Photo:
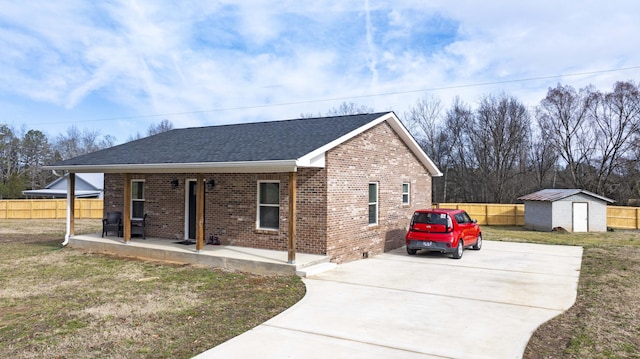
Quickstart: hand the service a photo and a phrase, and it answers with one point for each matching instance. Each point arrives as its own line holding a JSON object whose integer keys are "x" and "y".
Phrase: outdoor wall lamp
{"x": 175, "y": 183}
{"x": 211, "y": 183}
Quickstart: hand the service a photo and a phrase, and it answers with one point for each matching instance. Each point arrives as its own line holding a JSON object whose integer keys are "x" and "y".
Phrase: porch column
{"x": 291, "y": 245}
{"x": 126, "y": 210}
{"x": 71, "y": 216}
{"x": 199, "y": 212}
{"x": 71, "y": 203}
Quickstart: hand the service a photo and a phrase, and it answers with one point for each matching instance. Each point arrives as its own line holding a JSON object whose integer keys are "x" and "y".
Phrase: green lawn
{"x": 66, "y": 303}
{"x": 605, "y": 320}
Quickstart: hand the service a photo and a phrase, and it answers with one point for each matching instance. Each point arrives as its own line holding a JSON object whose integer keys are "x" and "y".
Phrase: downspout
{"x": 68, "y": 223}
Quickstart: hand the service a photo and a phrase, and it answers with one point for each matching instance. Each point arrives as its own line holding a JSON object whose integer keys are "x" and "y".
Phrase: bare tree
{"x": 11, "y": 180}
{"x": 74, "y": 142}
{"x": 425, "y": 122}
{"x": 349, "y": 108}
{"x": 563, "y": 119}
{"x": 543, "y": 159}
{"x": 457, "y": 164}
{"x": 499, "y": 136}
{"x": 615, "y": 116}
{"x": 9, "y": 152}
{"x": 163, "y": 126}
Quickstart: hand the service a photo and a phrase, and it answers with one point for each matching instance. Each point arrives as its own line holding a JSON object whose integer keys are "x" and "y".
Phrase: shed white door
{"x": 580, "y": 217}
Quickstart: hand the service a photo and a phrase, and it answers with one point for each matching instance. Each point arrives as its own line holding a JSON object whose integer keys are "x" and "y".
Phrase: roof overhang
{"x": 202, "y": 167}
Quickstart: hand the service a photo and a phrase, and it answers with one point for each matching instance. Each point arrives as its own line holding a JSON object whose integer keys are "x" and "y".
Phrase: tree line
{"x": 501, "y": 149}
{"x": 24, "y": 152}
{"x": 493, "y": 152}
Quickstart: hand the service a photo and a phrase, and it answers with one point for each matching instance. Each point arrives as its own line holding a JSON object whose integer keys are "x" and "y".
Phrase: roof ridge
{"x": 377, "y": 114}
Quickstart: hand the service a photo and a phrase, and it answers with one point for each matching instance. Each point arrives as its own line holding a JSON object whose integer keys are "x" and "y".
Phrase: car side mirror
{"x": 474, "y": 221}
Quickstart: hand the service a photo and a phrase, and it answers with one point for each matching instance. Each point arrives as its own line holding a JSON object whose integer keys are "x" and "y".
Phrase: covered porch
{"x": 244, "y": 259}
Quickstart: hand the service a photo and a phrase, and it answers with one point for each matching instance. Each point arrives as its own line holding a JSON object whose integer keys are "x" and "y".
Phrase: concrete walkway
{"x": 485, "y": 305}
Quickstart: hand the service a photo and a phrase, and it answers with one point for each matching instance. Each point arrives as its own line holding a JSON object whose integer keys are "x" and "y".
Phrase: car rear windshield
{"x": 431, "y": 222}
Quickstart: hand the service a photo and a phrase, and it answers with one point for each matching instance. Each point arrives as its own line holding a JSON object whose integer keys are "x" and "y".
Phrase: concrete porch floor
{"x": 252, "y": 260}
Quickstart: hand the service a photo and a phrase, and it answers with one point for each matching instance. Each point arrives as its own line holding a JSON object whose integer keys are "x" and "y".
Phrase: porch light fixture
{"x": 211, "y": 183}
{"x": 175, "y": 183}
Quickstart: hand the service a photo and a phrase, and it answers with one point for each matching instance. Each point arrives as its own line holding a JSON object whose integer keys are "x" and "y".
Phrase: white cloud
{"x": 164, "y": 58}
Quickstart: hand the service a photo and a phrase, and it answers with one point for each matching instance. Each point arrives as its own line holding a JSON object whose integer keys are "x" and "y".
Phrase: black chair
{"x": 138, "y": 226}
{"x": 113, "y": 223}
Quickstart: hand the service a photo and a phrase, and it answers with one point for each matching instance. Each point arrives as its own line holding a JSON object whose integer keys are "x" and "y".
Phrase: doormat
{"x": 185, "y": 242}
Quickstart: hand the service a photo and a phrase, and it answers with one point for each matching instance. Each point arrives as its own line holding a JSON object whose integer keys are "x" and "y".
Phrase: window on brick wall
{"x": 137, "y": 199}
{"x": 268, "y": 205}
{"x": 373, "y": 203}
{"x": 406, "y": 199}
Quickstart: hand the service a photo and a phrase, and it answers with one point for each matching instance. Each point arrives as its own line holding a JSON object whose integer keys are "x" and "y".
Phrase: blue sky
{"x": 120, "y": 66}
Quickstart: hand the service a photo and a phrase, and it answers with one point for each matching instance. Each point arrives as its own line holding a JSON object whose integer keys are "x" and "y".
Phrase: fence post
{"x": 486, "y": 213}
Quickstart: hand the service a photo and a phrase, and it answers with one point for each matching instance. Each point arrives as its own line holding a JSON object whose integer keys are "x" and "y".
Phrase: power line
{"x": 432, "y": 89}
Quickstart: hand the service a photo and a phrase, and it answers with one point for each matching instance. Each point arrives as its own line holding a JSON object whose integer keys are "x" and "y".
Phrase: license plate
{"x": 426, "y": 244}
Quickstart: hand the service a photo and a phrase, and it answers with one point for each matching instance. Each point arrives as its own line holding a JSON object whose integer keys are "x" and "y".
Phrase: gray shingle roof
{"x": 263, "y": 141}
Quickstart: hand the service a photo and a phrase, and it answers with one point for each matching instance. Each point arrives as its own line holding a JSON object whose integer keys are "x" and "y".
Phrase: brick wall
{"x": 230, "y": 207}
{"x": 332, "y": 202}
{"x": 377, "y": 155}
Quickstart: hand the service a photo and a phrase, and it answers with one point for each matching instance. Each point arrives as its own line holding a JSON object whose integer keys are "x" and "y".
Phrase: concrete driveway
{"x": 485, "y": 305}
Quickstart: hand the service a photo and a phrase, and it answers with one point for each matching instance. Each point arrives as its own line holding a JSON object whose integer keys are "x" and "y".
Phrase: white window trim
{"x": 258, "y": 204}
{"x": 377, "y": 203}
{"x": 408, "y": 193}
{"x": 131, "y": 200}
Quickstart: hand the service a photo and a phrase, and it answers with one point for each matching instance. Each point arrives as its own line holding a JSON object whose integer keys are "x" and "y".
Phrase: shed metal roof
{"x": 552, "y": 195}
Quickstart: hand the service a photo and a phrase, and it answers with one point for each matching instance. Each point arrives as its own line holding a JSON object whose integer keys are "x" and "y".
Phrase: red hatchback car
{"x": 443, "y": 230}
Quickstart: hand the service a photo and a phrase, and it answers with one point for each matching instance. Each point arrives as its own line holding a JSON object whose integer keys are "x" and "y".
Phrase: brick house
{"x": 341, "y": 186}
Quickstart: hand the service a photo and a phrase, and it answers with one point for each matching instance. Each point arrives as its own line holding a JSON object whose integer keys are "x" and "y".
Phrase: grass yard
{"x": 605, "y": 320}
{"x": 66, "y": 303}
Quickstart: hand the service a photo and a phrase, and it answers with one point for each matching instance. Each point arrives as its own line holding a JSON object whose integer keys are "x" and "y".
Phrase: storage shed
{"x": 575, "y": 210}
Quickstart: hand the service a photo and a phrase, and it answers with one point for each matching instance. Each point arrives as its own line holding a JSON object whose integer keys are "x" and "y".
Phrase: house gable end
{"x": 400, "y": 131}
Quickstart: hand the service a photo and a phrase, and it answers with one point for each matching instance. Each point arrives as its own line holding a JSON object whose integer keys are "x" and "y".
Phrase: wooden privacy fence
{"x": 623, "y": 217}
{"x": 490, "y": 214}
{"x": 487, "y": 214}
{"x": 49, "y": 208}
{"x": 513, "y": 214}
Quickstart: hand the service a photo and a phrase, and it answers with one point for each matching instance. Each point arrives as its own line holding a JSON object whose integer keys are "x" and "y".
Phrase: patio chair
{"x": 113, "y": 223}
{"x": 138, "y": 226}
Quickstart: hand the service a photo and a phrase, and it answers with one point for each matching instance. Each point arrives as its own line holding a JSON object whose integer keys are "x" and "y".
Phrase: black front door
{"x": 191, "y": 198}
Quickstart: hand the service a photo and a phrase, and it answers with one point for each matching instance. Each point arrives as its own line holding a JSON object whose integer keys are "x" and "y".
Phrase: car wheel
{"x": 411, "y": 251}
{"x": 457, "y": 254}
{"x": 478, "y": 244}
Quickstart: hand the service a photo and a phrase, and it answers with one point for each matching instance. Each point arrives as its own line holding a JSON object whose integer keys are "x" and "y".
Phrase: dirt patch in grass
{"x": 604, "y": 322}
{"x": 63, "y": 303}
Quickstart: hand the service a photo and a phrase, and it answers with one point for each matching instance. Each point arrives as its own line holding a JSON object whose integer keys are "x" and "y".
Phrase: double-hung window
{"x": 137, "y": 199}
{"x": 373, "y": 203}
{"x": 268, "y": 205}
{"x": 406, "y": 199}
